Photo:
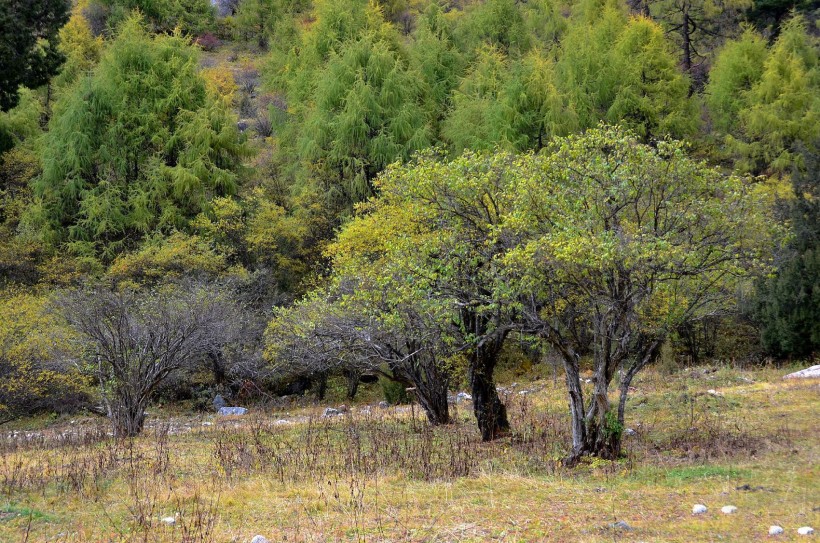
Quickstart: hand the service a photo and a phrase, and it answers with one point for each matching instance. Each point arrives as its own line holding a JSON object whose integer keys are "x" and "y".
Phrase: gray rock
{"x": 621, "y": 525}
{"x": 699, "y": 509}
{"x": 259, "y": 539}
{"x": 219, "y": 402}
{"x": 383, "y": 405}
{"x": 629, "y": 432}
{"x": 463, "y": 396}
{"x": 808, "y": 373}
{"x": 330, "y": 412}
{"x": 226, "y": 411}
{"x": 775, "y": 530}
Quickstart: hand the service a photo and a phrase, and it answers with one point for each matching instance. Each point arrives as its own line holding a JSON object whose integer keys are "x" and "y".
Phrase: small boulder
{"x": 808, "y": 373}
{"x": 463, "y": 396}
{"x": 170, "y": 521}
{"x": 259, "y": 539}
{"x": 207, "y": 423}
{"x": 621, "y": 525}
{"x": 629, "y": 432}
{"x": 728, "y": 509}
{"x": 331, "y": 412}
{"x": 775, "y": 530}
{"x": 805, "y": 530}
{"x": 383, "y": 405}
{"x": 699, "y": 509}
{"x": 219, "y": 402}
{"x": 228, "y": 411}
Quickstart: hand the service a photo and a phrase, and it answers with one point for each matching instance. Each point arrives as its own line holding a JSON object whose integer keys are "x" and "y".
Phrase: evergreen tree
{"x": 788, "y": 304}
{"x": 138, "y": 145}
{"x": 28, "y": 45}
{"x": 767, "y": 104}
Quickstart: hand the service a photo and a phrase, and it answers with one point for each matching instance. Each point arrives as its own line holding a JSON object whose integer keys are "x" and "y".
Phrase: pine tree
{"x": 138, "y": 145}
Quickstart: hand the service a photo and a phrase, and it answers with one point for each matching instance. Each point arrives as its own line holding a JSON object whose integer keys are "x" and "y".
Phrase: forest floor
{"x": 717, "y": 436}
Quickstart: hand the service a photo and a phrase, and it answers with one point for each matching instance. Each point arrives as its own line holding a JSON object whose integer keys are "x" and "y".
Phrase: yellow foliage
{"x": 168, "y": 258}
{"x": 221, "y": 83}
{"x": 81, "y": 48}
{"x": 37, "y": 353}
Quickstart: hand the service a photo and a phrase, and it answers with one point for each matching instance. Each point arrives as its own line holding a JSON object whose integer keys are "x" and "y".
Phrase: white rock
{"x": 808, "y": 373}
{"x": 282, "y": 422}
{"x": 207, "y": 423}
{"x": 805, "y": 530}
{"x": 699, "y": 509}
{"x": 462, "y": 396}
{"x": 169, "y": 520}
{"x": 713, "y": 392}
{"x": 775, "y": 530}
{"x": 259, "y": 539}
{"x": 728, "y": 509}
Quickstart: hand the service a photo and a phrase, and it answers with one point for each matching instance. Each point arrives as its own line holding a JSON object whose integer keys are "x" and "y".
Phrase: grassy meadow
{"x": 715, "y": 436}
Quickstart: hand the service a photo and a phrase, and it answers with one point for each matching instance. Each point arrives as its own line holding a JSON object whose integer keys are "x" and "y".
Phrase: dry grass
{"x": 387, "y": 476}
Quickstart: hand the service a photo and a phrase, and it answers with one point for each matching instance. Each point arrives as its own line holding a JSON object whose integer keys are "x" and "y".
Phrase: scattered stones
{"x": 808, "y": 373}
{"x": 219, "y": 402}
{"x": 259, "y": 539}
{"x": 331, "y": 412}
{"x": 728, "y": 509}
{"x": 228, "y": 411}
{"x": 805, "y": 530}
{"x": 383, "y": 405}
{"x": 621, "y": 525}
{"x": 462, "y": 396}
{"x": 699, "y": 509}
{"x": 775, "y": 530}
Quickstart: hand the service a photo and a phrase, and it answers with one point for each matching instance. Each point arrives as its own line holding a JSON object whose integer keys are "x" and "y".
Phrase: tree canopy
{"x": 137, "y": 146}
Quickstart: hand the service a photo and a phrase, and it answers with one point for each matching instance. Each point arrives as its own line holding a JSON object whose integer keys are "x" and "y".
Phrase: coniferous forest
{"x": 290, "y": 204}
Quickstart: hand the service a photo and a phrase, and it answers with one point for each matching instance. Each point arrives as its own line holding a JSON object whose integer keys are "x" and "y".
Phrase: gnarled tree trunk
{"x": 487, "y": 406}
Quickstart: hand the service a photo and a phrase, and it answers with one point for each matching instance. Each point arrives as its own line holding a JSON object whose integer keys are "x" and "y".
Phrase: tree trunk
{"x": 686, "y": 36}
{"x": 352, "y": 383}
{"x": 576, "y": 404}
{"x": 435, "y": 406}
{"x": 489, "y": 411}
{"x": 321, "y": 388}
{"x": 218, "y": 366}
{"x": 127, "y": 417}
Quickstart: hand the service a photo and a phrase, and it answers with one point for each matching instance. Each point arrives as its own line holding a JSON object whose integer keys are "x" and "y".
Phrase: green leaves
{"x": 136, "y": 146}
{"x": 768, "y": 102}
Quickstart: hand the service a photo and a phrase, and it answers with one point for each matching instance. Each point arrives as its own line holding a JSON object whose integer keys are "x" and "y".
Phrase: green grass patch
{"x": 12, "y": 511}
{"x": 687, "y": 474}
